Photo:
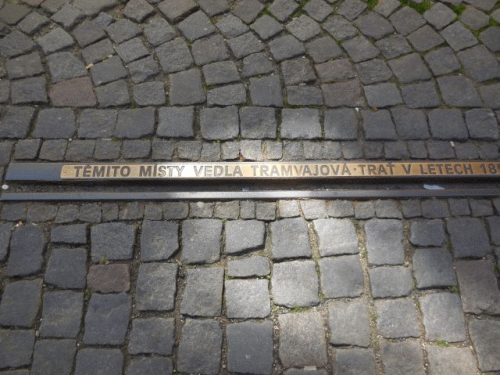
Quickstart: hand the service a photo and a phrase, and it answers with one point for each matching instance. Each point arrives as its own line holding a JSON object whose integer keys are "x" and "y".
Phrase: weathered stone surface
{"x": 302, "y": 340}
{"x": 468, "y": 237}
{"x": 247, "y": 299}
{"x": 26, "y": 249}
{"x": 159, "y": 240}
{"x": 54, "y": 357}
{"x": 92, "y": 361}
{"x": 349, "y": 323}
{"x": 341, "y": 276}
{"x": 156, "y": 286}
{"x": 114, "y": 241}
{"x": 451, "y": 360}
{"x": 254, "y": 266}
{"x": 20, "y": 303}
{"x": 201, "y": 242}
{"x": 67, "y": 268}
{"x": 289, "y": 239}
{"x": 149, "y": 366}
{"x": 62, "y": 314}
{"x": 403, "y": 358}
{"x": 244, "y": 235}
{"x": 433, "y": 268}
{"x": 443, "y": 317}
{"x": 152, "y": 336}
{"x": 295, "y": 284}
{"x": 390, "y": 282}
{"x": 485, "y": 335}
{"x": 397, "y": 318}
{"x": 355, "y": 361}
{"x": 478, "y": 289}
{"x": 186, "y": 88}
{"x": 16, "y": 348}
{"x": 200, "y": 347}
{"x": 384, "y": 242}
{"x": 203, "y": 292}
{"x": 250, "y": 347}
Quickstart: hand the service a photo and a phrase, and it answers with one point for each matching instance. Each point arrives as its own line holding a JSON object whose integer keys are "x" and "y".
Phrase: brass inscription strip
{"x": 277, "y": 170}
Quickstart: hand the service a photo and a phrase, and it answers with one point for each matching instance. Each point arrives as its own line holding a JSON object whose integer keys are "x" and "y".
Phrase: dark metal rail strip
{"x": 267, "y": 194}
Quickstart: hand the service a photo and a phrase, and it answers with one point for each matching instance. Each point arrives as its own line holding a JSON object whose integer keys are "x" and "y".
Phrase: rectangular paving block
{"x": 202, "y": 295}
{"x": 156, "y": 286}
{"x": 349, "y": 323}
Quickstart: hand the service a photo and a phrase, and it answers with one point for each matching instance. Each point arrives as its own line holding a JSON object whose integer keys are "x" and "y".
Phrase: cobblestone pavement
{"x": 263, "y": 287}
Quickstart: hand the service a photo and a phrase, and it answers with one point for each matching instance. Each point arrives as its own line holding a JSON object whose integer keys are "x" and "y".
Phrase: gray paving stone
{"x": 149, "y": 93}
{"x": 97, "y": 52}
{"x": 107, "y": 318}
{"x": 24, "y": 66}
{"x": 479, "y": 63}
{"x": 479, "y": 292}
{"x": 402, "y": 358}
{"x": 289, "y": 239}
{"x": 16, "y": 348}
{"x": 88, "y": 33}
{"x": 303, "y": 28}
{"x": 305, "y": 371}
{"x": 201, "y": 240}
{"x": 397, "y": 318}
{"x": 348, "y": 322}
{"x": 336, "y": 237}
{"x": 68, "y": 16}
{"x": 54, "y": 356}
{"x": 131, "y": 50}
{"x": 246, "y": 44}
{"x": 33, "y": 22}
{"x": 26, "y": 251}
{"x": 300, "y": 123}
{"x": 114, "y": 241}
{"x": 210, "y": 152}
{"x": 244, "y": 235}
{"x": 373, "y": 71}
{"x": 302, "y": 340}
{"x": 227, "y": 95}
{"x": 209, "y": 50}
{"x": 156, "y": 286}
{"x": 196, "y": 26}
{"x": 126, "y": 124}
{"x": 427, "y": 233}
{"x": 186, "y": 88}
{"x": 295, "y": 284}
{"x": 341, "y": 277}
{"x": 4, "y": 240}
{"x": 387, "y": 209}
{"x": 304, "y": 96}
{"x": 202, "y": 209}
{"x": 393, "y": 46}
{"x": 247, "y": 299}
{"x": 439, "y": 15}
{"x": 451, "y": 360}
{"x": 352, "y": 150}
{"x": 266, "y": 27}
{"x": 439, "y": 150}
{"x": 360, "y": 49}
{"x": 282, "y": 9}
{"x": 474, "y": 18}
{"x": 158, "y": 240}
{"x": 406, "y": 20}
{"x": 174, "y": 56}
{"x": 458, "y": 92}
{"x": 390, "y": 282}
{"x": 250, "y": 347}
{"x": 409, "y": 68}
{"x": 28, "y": 90}
{"x": 219, "y": 123}
{"x": 175, "y": 10}
{"x": 53, "y": 150}
{"x": 14, "y": 212}
{"x": 80, "y": 150}
{"x": 459, "y": 207}
{"x": 378, "y": 125}
{"x": 442, "y": 61}
{"x": 396, "y": 150}
{"x": 482, "y": 124}
{"x": 122, "y": 30}
{"x": 313, "y": 209}
{"x": 247, "y": 10}
{"x": 352, "y": 9}
{"x": 339, "y": 208}
{"x": 443, "y": 317}
{"x": 253, "y": 266}
{"x": 138, "y": 10}
{"x": 175, "y": 122}
{"x": 337, "y": 70}
{"x": 318, "y": 9}
{"x": 113, "y": 94}
{"x": 231, "y": 26}
{"x": 92, "y": 361}
{"x": 485, "y": 335}
{"x": 227, "y": 210}
{"x": 220, "y": 72}
{"x": 67, "y": 268}
{"x": 339, "y": 28}
{"x": 20, "y": 303}
{"x": 458, "y": 37}
{"x": 468, "y": 237}
{"x": 70, "y": 234}
{"x": 149, "y": 366}
{"x": 374, "y": 26}
{"x": 108, "y": 71}
{"x": 158, "y": 31}
{"x": 214, "y": 7}
{"x": 481, "y": 207}
{"x": 90, "y": 213}
{"x": 344, "y": 94}
{"x": 273, "y": 150}
{"x": 354, "y": 361}
{"x": 447, "y": 124}
{"x": 266, "y": 91}
{"x": 425, "y": 39}
{"x": 200, "y": 347}
{"x": 55, "y": 40}
{"x": 364, "y": 210}
{"x": 296, "y": 71}
{"x": 257, "y": 122}
{"x": 433, "y": 268}
{"x": 152, "y": 336}
{"x": 490, "y": 38}
{"x": 15, "y": 44}
{"x": 55, "y": 123}
{"x": 16, "y": 121}
{"x": 62, "y": 314}
{"x": 373, "y": 150}
{"x": 265, "y": 211}
{"x": 421, "y": 95}
{"x": 382, "y": 95}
